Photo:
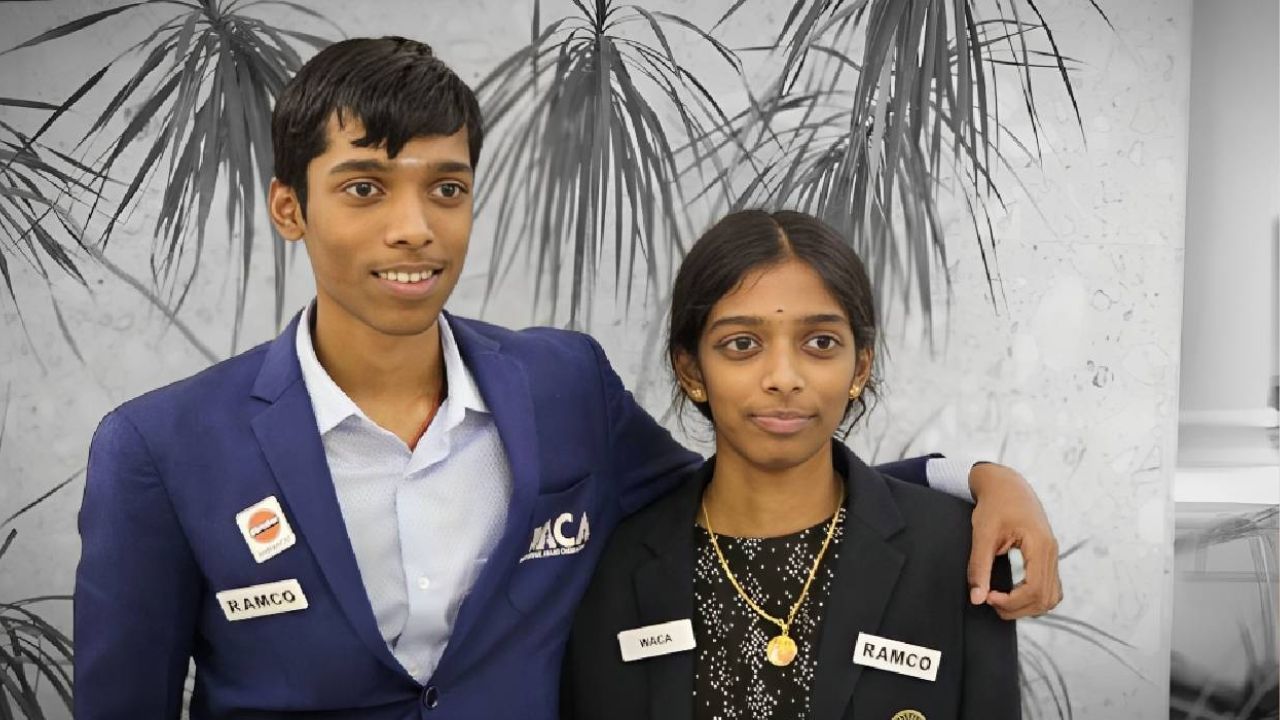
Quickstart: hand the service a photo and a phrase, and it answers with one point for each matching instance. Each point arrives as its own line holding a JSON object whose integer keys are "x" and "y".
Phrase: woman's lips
{"x": 782, "y": 423}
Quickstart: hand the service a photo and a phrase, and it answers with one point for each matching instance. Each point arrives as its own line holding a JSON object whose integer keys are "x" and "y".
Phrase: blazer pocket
{"x": 558, "y": 538}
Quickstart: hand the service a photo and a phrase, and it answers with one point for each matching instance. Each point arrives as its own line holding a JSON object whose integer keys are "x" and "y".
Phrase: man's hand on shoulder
{"x": 1008, "y": 515}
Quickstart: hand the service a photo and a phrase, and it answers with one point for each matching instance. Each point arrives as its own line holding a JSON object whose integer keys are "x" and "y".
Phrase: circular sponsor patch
{"x": 264, "y": 526}
{"x": 909, "y": 715}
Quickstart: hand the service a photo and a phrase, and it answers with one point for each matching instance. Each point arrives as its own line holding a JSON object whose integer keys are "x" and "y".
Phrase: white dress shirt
{"x": 421, "y": 522}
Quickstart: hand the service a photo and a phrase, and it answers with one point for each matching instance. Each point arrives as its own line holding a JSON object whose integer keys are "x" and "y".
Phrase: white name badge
{"x": 265, "y": 529}
{"x": 653, "y": 640}
{"x": 258, "y": 600}
{"x": 897, "y": 657}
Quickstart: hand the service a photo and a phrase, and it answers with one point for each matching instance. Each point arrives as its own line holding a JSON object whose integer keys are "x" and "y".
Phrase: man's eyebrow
{"x": 373, "y": 165}
{"x": 347, "y": 166}
{"x": 452, "y": 166}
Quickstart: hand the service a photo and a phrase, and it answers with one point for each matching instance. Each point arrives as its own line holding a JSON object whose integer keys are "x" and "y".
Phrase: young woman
{"x": 787, "y": 579}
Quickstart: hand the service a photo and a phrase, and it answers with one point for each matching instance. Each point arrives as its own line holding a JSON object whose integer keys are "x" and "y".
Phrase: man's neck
{"x": 744, "y": 500}
{"x": 397, "y": 381}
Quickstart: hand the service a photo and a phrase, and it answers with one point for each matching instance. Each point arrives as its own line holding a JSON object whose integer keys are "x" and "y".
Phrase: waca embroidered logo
{"x": 560, "y": 536}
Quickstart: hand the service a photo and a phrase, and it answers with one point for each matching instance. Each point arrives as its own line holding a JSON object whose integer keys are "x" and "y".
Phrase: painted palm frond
{"x": 896, "y": 108}
{"x": 34, "y": 654}
{"x": 197, "y": 107}
{"x": 587, "y": 170}
{"x": 37, "y": 185}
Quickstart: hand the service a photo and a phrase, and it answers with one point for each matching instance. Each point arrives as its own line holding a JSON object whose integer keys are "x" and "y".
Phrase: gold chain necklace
{"x": 781, "y": 650}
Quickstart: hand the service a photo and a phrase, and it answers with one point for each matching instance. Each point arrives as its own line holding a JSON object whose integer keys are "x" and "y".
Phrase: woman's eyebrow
{"x": 752, "y": 320}
{"x": 824, "y": 318}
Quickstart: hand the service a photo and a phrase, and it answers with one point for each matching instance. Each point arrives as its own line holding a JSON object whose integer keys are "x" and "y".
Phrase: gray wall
{"x": 1071, "y": 376}
{"x": 1233, "y": 206}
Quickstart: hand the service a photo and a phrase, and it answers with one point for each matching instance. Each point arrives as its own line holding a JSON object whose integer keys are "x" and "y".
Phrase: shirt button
{"x": 430, "y": 697}
{"x": 424, "y": 582}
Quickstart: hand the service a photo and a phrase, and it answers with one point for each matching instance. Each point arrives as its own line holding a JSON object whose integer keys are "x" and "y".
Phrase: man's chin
{"x": 407, "y": 324}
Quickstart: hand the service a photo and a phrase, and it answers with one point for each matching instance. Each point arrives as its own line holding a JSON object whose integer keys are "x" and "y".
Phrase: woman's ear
{"x": 862, "y": 372}
{"x": 286, "y": 211}
{"x": 689, "y": 376}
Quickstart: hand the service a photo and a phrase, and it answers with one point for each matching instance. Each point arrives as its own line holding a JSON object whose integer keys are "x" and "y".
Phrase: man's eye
{"x": 452, "y": 190}
{"x": 362, "y": 189}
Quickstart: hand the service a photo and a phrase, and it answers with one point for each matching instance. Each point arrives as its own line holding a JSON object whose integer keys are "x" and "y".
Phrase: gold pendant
{"x": 781, "y": 651}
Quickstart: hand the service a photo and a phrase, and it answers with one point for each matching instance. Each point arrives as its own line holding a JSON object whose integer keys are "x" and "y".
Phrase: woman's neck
{"x": 745, "y": 500}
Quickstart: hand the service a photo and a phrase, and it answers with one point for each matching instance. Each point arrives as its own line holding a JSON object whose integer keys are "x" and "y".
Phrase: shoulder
{"x": 934, "y": 523}
{"x": 665, "y": 511}
{"x": 530, "y": 342}
{"x": 556, "y": 360}
{"x": 202, "y": 393}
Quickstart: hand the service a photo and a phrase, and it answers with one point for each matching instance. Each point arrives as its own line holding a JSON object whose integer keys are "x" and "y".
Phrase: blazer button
{"x": 430, "y": 697}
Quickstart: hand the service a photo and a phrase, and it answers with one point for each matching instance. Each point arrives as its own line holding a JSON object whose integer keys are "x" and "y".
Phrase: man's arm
{"x": 647, "y": 461}
{"x": 914, "y": 470}
{"x": 137, "y": 586}
{"x": 1007, "y": 515}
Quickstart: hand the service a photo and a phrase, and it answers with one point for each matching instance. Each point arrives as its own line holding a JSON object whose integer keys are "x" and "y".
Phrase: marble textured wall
{"x": 1071, "y": 376}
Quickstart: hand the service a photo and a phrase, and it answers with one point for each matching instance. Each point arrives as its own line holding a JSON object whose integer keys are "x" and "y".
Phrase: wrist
{"x": 985, "y": 476}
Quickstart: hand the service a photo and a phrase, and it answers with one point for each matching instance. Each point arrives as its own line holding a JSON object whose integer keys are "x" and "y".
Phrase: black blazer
{"x": 901, "y": 575}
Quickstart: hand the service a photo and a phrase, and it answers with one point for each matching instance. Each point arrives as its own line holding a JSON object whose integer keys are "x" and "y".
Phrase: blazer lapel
{"x": 286, "y": 431}
{"x": 664, "y": 592}
{"x": 866, "y": 573}
{"x": 505, "y": 388}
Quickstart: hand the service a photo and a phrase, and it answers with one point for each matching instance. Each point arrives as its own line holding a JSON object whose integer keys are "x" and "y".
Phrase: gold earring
{"x": 697, "y": 395}
{"x": 854, "y": 392}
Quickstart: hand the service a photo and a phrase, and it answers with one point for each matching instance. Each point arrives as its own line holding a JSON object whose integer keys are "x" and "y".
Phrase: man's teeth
{"x": 403, "y": 277}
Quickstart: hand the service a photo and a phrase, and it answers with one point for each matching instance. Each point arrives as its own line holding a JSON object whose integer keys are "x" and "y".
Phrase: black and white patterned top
{"x": 733, "y": 679}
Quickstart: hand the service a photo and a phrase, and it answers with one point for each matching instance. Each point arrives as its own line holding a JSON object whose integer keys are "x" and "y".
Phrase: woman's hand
{"x": 1009, "y": 515}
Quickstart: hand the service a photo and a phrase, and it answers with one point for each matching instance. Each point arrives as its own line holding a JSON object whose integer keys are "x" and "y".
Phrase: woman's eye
{"x": 824, "y": 343}
{"x": 741, "y": 344}
{"x": 362, "y": 190}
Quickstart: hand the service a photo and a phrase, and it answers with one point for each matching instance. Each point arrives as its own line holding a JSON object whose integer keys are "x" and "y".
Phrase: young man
{"x": 388, "y": 511}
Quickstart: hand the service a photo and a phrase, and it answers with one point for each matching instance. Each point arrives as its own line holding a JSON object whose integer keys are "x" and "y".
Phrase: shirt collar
{"x": 331, "y": 405}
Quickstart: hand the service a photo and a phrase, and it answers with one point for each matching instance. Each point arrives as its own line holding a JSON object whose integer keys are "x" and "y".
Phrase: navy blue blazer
{"x": 169, "y": 471}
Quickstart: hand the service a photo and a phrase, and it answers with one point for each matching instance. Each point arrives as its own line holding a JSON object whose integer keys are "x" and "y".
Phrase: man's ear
{"x": 286, "y": 211}
{"x": 689, "y": 376}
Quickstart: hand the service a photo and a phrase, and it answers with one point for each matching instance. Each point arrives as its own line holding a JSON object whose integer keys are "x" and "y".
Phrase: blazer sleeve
{"x": 647, "y": 462}
{"x": 912, "y": 470}
{"x": 991, "y": 685}
{"x": 138, "y": 588}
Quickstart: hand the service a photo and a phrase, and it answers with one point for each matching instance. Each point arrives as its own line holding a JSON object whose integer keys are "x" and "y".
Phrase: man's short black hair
{"x": 396, "y": 88}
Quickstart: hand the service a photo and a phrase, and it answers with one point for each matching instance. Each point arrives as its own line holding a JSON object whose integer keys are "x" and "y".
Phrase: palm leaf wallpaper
{"x": 980, "y": 155}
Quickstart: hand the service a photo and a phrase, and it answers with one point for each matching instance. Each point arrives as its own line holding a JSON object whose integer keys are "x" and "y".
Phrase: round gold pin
{"x": 909, "y": 715}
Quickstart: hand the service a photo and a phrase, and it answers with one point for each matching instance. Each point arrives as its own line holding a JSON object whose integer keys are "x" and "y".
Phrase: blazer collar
{"x": 664, "y": 592}
{"x": 866, "y": 572}
{"x": 280, "y": 369}
{"x": 288, "y": 437}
